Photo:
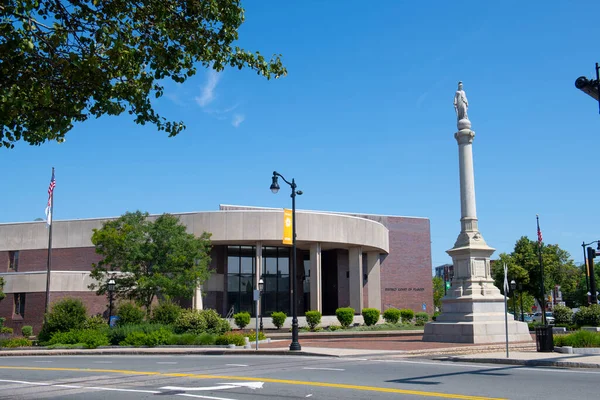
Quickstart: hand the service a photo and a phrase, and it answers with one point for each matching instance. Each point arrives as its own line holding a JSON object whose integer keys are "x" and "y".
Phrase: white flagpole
{"x": 506, "y": 306}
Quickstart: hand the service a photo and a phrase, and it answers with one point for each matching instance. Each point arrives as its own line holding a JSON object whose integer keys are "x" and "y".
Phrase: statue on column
{"x": 461, "y": 105}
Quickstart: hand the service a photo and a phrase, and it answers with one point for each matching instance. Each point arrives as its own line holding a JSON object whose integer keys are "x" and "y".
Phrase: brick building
{"x": 356, "y": 260}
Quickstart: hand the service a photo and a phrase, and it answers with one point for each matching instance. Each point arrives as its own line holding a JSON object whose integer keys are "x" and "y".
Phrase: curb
{"x": 528, "y": 363}
{"x": 344, "y": 335}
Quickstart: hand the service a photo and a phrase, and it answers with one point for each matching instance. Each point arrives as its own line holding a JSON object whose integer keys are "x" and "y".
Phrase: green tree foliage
{"x": 524, "y": 267}
{"x": 153, "y": 257}
{"x": 65, "y": 61}
{"x": 2, "y": 294}
{"x": 438, "y": 291}
{"x": 64, "y": 315}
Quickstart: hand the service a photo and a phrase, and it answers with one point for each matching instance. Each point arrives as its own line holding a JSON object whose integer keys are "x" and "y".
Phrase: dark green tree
{"x": 64, "y": 61}
{"x": 438, "y": 291}
{"x": 524, "y": 267}
{"x": 2, "y": 294}
{"x": 153, "y": 258}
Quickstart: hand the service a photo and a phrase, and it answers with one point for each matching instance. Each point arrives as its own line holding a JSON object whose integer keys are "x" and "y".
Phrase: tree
{"x": 64, "y": 61}
{"x": 524, "y": 267}
{"x": 153, "y": 258}
{"x": 438, "y": 291}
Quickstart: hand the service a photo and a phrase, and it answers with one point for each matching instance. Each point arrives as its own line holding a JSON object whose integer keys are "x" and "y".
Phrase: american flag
{"x": 539, "y": 231}
{"x": 49, "y": 205}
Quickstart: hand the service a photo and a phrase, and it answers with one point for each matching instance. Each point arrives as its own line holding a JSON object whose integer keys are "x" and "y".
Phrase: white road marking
{"x": 237, "y": 365}
{"x": 166, "y": 362}
{"x": 102, "y": 362}
{"x": 221, "y": 386}
{"x": 81, "y": 387}
{"x": 69, "y": 386}
{"x": 431, "y": 363}
{"x": 308, "y": 395}
{"x": 42, "y": 361}
{"x": 325, "y": 369}
{"x": 203, "y": 397}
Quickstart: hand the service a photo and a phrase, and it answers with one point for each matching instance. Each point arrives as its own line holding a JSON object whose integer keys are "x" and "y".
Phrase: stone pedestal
{"x": 473, "y": 309}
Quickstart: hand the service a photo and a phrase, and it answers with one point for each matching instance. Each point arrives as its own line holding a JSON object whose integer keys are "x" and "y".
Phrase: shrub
{"x": 241, "y": 319}
{"x": 563, "y": 315}
{"x": 65, "y": 315}
{"x": 313, "y": 319}
{"x": 2, "y": 319}
{"x": 278, "y": 318}
{"x": 435, "y": 315}
{"x": 130, "y": 313}
{"x": 118, "y": 334}
{"x": 334, "y": 328}
{"x": 345, "y": 315}
{"x": 407, "y": 315}
{"x": 190, "y": 321}
{"x": 155, "y": 338}
{"x": 391, "y": 315}
{"x": 16, "y": 342}
{"x": 231, "y": 338}
{"x": 6, "y": 329}
{"x": 214, "y": 323}
{"x": 166, "y": 313}
{"x": 252, "y": 335}
{"x": 588, "y": 316}
{"x": 190, "y": 339}
{"x": 27, "y": 330}
{"x": 95, "y": 322}
{"x": 578, "y": 339}
{"x": 88, "y": 337}
{"x": 421, "y": 318}
{"x": 370, "y": 316}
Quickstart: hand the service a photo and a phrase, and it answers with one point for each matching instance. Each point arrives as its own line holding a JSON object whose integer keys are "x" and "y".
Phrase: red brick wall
{"x": 73, "y": 259}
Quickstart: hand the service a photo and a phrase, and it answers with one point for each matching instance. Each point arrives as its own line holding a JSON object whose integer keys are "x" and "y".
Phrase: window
{"x": 241, "y": 268}
{"x": 13, "y": 260}
{"x": 20, "y": 304}
{"x": 276, "y": 275}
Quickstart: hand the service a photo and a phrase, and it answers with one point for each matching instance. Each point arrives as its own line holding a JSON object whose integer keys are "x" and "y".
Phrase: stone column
{"x": 356, "y": 278}
{"x": 197, "y": 300}
{"x": 374, "y": 280}
{"x": 316, "y": 293}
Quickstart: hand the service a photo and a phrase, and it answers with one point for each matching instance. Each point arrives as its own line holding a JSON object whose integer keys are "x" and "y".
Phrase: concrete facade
{"x": 356, "y": 260}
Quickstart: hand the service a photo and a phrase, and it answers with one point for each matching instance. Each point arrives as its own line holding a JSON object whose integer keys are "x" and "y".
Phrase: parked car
{"x": 537, "y": 317}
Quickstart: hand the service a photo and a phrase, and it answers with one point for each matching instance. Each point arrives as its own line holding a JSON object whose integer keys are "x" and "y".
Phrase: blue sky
{"x": 364, "y": 122}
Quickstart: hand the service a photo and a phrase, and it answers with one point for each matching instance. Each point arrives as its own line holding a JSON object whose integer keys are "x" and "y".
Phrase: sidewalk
{"x": 388, "y": 345}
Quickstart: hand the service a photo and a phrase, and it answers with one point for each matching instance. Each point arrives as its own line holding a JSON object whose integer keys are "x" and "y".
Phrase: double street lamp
{"x": 111, "y": 290}
{"x": 589, "y": 260}
{"x": 295, "y": 345}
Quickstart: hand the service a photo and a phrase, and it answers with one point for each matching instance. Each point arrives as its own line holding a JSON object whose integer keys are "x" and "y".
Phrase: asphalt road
{"x": 281, "y": 377}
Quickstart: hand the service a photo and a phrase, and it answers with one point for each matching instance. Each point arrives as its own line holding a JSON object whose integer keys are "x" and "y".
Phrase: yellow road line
{"x": 272, "y": 380}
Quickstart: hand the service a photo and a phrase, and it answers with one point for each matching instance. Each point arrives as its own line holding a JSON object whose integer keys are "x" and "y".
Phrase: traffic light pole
{"x": 591, "y": 253}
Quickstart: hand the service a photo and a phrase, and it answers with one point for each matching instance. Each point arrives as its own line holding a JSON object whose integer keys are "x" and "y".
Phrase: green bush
{"x": 7, "y": 330}
{"x": 95, "y": 322}
{"x": 2, "y": 319}
{"x": 129, "y": 314}
{"x": 252, "y": 335}
{"x": 214, "y": 323}
{"x": 158, "y": 337}
{"x": 407, "y": 315}
{"x": 345, "y": 315}
{"x": 562, "y": 315}
{"x": 166, "y": 313}
{"x": 391, "y": 315}
{"x": 118, "y": 334}
{"x": 588, "y": 316}
{"x": 88, "y": 337}
{"x": 278, "y": 318}
{"x": 435, "y": 315}
{"x": 578, "y": 339}
{"x": 190, "y": 339}
{"x": 421, "y": 318}
{"x": 313, "y": 319}
{"x": 65, "y": 315}
{"x": 16, "y": 342}
{"x": 370, "y": 316}
{"x": 200, "y": 321}
{"x": 241, "y": 319}
{"x": 334, "y": 328}
{"x": 27, "y": 330}
{"x": 231, "y": 338}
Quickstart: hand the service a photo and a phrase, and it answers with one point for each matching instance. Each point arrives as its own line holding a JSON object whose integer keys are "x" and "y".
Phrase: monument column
{"x": 473, "y": 309}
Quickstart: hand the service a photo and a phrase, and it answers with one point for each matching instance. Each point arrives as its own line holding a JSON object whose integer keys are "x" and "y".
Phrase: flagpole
{"x": 543, "y": 305}
{"x": 49, "y": 263}
{"x": 506, "y": 307}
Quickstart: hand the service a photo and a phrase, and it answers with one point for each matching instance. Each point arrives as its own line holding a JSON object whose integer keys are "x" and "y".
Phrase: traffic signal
{"x": 447, "y": 284}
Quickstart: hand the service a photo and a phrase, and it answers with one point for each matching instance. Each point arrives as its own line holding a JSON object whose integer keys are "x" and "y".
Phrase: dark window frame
{"x": 13, "y": 260}
{"x": 19, "y": 305}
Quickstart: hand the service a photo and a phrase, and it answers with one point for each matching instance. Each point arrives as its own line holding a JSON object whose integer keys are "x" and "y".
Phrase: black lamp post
{"x": 513, "y": 286}
{"x": 295, "y": 345}
{"x": 261, "y": 285}
{"x": 521, "y": 298}
{"x": 591, "y": 254}
{"x": 111, "y": 289}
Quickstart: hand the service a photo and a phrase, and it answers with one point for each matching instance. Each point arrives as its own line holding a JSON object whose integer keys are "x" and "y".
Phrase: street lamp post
{"x": 261, "y": 285}
{"x": 589, "y": 262}
{"x": 295, "y": 345}
{"x": 111, "y": 289}
{"x": 513, "y": 286}
{"x": 521, "y": 298}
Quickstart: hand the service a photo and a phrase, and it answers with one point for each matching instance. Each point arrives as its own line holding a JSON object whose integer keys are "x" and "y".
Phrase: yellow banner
{"x": 587, "y": 267}
{"x": 287, "y": 226}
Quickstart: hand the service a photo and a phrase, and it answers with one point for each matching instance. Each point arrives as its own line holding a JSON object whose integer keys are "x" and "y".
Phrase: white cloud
{"x": 237, "y": 120}
{"x": 208, "y": 91}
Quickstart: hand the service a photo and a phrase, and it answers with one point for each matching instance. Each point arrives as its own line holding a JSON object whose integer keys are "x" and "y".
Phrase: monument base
{"x": 475, "y": 319}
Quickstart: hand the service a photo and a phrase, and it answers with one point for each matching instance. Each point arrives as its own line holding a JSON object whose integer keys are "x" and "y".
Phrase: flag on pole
{"x": 539, "y": 231}
{"x": 505, "y": 279}
{"x": 49, "y": 204}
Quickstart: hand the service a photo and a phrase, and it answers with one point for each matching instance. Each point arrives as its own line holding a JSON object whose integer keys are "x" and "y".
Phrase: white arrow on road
{"x": 222, "y": 386}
